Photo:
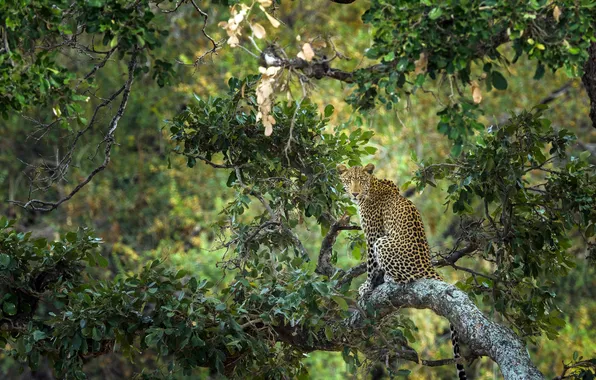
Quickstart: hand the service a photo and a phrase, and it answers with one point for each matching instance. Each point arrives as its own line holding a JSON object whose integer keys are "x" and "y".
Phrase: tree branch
{"x": 351, "y": 274}
{"x": 41, "y": 205}
{"x": 215, "y": 45}
{"x": 454, "y": 256}
{"x": 483, "y": 337}
{"x": 324, "y": 266}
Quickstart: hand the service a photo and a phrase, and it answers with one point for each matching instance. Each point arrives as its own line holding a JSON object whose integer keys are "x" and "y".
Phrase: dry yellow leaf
{"x": 233, "y": 41}
{"x": 258, "y": 30}
{"x": 265, "y": 3}
{"x": 272, "y": 19}
{"x": 421, "y": 64}
{"x": 268, "y": 129}
{"x": 557, "y": 13}
{"x": 307, "y": 53}
{"x": 476, "y": 92}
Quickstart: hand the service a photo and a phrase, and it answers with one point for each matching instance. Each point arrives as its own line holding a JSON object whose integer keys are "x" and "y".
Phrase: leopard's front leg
{"x": 374, "y": 274}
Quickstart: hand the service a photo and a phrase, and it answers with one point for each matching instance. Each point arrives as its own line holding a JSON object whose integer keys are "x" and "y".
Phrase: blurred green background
{"x": 148, "y": 204}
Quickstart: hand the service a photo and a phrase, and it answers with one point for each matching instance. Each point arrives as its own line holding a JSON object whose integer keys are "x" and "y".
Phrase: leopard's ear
{"x": 369, "y": 168}
{"x": 341, "y": 168}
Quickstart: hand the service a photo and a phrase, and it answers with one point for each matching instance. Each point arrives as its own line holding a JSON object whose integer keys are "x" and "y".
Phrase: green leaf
{"x": 356, "y": 252}
{"x": 9, "y": 308}
{"x": 102, "y": 261}
{"x": 498, "y": 80}
{"x": 38, "y": 335}
{"x": 435, "y": 13}
{"x": 370, "y": 149}
{"x": 583, "y": 156}
{"x": 71, "y": 237}
{"x": 4, "y": 260}
{"x": 341, "y": 302}
{"x": 329, "y": 110}
{"x": 539, "y": 71}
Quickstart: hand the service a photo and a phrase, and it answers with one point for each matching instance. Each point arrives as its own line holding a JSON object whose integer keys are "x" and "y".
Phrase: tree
{"x": 524, "y": 194}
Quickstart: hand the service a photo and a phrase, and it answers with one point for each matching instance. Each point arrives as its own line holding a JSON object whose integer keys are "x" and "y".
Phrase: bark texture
{"x": 482, "y": 336}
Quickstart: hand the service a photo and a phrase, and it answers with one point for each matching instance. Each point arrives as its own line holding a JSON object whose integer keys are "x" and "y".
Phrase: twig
{"x": 41, "y": 205}
{"x": 215, "y": 47}
{"x": 351, "y": 274}
{"x": 211, "y": 163}
{"x": 324, "y": 265}
{"x": 454, "y": 256}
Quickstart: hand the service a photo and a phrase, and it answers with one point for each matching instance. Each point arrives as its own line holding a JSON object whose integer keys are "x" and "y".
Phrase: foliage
{"x": 533, "y": 201}
{"x": 243, "y": 217}
{"x": 51, "y": 310}
{"x": 101, "y": 28}
{"x": 294, "y": 169}
{"x": 450, "y": 41}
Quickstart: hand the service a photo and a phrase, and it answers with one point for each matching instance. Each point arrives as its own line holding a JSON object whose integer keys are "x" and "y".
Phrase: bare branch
{"x": 99, "y": 65}
{"x": 324, "y": 265}
{"x": 454, "y": 256}
{"x": 557, "y": 93}
{"x": 215, "y": 46}
{"x": 211, "y": 163}
{"x": 42, "y": 205}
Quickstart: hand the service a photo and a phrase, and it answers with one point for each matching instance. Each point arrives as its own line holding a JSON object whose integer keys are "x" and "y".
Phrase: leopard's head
{"x": 356, "y": 180}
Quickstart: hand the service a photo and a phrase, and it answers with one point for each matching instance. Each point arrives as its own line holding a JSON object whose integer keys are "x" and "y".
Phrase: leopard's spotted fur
{"x": 396, "y": 243}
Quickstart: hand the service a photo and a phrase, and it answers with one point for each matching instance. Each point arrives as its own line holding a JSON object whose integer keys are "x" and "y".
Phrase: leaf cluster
{"x": 49, "y": 311}
{"x": 536, "y": 199}
{"x": 36, "y": 32}
{"x": 291, "y": 173}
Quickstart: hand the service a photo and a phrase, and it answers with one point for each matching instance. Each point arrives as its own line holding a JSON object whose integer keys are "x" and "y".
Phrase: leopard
{"x": 397, "y": 248}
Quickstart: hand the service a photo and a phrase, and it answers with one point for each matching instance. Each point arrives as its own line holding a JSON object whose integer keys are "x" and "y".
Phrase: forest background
{"x": 153, "y": 203}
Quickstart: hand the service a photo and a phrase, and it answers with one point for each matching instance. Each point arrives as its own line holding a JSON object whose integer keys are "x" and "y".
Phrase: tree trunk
{"x": 589, "y": 80}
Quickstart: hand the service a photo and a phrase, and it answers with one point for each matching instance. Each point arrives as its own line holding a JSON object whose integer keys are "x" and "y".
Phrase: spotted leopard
{"x": 396, "y": 243}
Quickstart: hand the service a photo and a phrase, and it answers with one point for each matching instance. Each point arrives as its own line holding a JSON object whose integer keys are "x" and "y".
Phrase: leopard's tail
{"x": 461, "y": 372}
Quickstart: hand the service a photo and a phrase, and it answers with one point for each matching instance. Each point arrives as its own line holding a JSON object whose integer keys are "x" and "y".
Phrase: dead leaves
{"x": 265, "y": 90}
{"x": 307, "y": 52}
{"x": 420, "y": 64}
{"x": 557, "y": 13}
{"x": 258, "y": 30}
{"x": 233, "y": 25}
{"x": 476, "y": 92}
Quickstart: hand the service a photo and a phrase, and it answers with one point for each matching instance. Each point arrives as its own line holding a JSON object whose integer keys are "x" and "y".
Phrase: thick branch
{"x": 324, "y": 265}
{"x": 351, "y": 274}
{"x": 320, "y": 68}
{"x": 483, "y": 337}
{"x": 557, "y": 93}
